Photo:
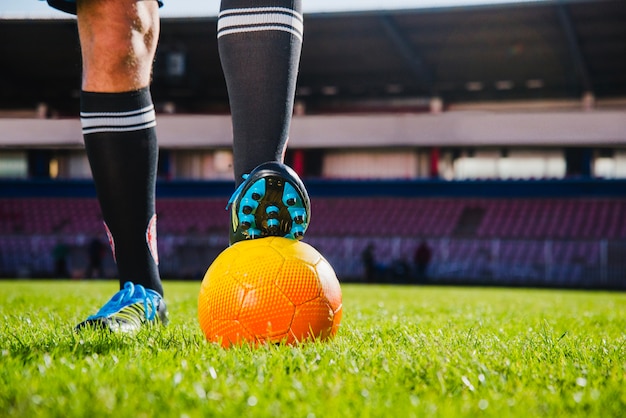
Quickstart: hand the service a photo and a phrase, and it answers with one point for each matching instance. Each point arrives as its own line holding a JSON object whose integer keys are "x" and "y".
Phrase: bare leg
{"x": 118, "y": 42}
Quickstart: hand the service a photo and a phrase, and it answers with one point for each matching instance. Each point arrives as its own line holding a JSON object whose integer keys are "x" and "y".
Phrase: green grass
{"x": 401, "y": 352}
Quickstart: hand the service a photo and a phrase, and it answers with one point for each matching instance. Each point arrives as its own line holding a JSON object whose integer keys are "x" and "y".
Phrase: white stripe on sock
{"x": 258, "y": 29}
{"x": 93, "y": 122}
{"x": 100, "y": 129}
{"x": 117, "y": 114}
{"x": 258, "y": 10}
{"x": 260, "y": 19}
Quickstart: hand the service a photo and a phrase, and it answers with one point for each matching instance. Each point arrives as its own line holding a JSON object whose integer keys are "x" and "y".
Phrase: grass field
{"x": 401, "y": 352}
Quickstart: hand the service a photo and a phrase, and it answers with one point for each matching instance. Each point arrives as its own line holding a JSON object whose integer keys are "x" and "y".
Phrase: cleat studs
{"x": 246, "y": 221}
{"x": 298, "y": 232}
{"x": 269, "y": 205}
{"x": 256, "y": 191}
{"x": 272, "y": 212}
{"x": 298, "y": 215}
{"x": 290, "y": 201}
{"x": 290, "y": 196}
{"x": 248, "y": 206}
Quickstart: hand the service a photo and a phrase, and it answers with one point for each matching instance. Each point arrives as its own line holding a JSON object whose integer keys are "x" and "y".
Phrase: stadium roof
{"x": 551, "y": 50}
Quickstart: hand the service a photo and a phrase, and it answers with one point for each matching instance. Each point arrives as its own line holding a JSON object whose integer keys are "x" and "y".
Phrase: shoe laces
{"x": 127, "y": 296}
{"x": 237, "y": 191}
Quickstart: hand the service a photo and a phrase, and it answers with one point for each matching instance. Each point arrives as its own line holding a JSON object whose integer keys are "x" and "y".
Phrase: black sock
{"x": 259, "y": 45}
{"x": 120, "y": 139}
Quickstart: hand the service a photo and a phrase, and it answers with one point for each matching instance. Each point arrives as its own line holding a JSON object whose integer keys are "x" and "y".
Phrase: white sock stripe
{"x": 117, "y": 114}
{"x": 260, "y": 19}
{"x": 99, "y": 129}
{"x": 259, "y": 10}
{"x": 119, "y": 122}
{"x": 129, "y": 119}
{"x": 260, "y": 28}
{"x": 250, "y": 20}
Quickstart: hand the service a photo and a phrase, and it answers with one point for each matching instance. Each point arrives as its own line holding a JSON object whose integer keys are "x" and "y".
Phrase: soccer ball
{"x": 269, "y": 290}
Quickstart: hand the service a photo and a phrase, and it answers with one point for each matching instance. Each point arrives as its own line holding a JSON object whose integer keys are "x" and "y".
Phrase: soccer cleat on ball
{"x": 272, "y": 201}
{"x": 128, "y": 310}
{"x": 269, "y": 290}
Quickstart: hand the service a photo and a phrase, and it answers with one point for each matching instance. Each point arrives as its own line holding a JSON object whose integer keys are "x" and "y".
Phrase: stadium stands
{"x": 508, "y": 160}
{"x": 518, "y": 241}
{"x": 369, "y": 217}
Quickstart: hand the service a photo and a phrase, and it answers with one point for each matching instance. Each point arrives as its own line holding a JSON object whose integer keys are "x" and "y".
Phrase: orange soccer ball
{"x": 269, "y": 290}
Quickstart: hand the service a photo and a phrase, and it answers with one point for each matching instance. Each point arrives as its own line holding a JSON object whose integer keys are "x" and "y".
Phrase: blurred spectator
{"x": 421, "y": 258}
{"x": 60, "y": 253}
{"x": 400, "y": 271}
{"x": 96, "y": 253}
{"x": 369, "y": 262}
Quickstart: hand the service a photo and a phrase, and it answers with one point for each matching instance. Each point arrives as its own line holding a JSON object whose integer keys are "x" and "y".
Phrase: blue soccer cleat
{"x": 128, "y": 310}
{"x": 271, "y": 202}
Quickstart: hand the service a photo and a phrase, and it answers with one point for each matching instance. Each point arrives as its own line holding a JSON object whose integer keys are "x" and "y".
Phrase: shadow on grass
{"x": 29, "y": 345}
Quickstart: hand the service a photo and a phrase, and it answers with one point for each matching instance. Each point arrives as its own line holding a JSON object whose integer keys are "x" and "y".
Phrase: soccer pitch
{"x": 400, "y": 352}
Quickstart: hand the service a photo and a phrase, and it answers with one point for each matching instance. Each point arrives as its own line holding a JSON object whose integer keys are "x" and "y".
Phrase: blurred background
{"x": 445, "y": 142}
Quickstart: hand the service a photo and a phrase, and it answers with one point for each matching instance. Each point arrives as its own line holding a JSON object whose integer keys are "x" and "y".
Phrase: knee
{"x": 143, "y": 35}
{"x": 118, "y": 39}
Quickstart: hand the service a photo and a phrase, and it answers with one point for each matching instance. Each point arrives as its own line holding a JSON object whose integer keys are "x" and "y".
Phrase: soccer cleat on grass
{"x": 128, "y": 310}
{"x": 271, "y": 202}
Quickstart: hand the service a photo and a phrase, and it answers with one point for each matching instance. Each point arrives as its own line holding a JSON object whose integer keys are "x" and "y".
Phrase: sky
{"x": 189, "y": 8}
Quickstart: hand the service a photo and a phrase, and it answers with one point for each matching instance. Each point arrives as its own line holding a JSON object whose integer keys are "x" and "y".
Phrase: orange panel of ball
{"x": 269, "y": 290}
